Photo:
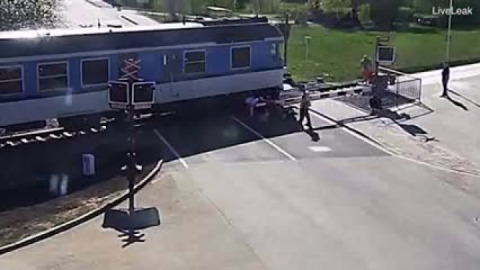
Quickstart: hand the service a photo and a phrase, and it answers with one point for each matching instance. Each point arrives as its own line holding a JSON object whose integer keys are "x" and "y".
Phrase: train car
{"x": 64, "y": 74}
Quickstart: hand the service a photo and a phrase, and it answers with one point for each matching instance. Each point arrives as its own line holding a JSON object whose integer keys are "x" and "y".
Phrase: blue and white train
{"x": 64, "y": 74}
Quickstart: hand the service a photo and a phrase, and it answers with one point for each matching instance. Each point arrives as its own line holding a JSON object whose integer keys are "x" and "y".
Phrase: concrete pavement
{"x": 441, "y": 132}
{"x": 195, "y": 233}
{"x": 82, "y": 12}
{"x": 329, "y": 213}
{"x": 238, "y": 193}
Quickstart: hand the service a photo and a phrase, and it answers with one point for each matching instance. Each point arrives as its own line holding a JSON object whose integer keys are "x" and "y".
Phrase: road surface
{"x": 242, "y": 193}
{"x": 88, "y": 12}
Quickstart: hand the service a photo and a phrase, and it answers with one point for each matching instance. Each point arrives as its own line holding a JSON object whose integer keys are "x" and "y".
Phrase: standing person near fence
{"x": 304, "y": 109}
{"x": 367, "y": 69}
{"x": 445, "y": 79}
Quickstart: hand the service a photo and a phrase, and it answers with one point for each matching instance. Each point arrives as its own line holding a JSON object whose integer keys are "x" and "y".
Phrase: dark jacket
{"x": 446, "y": 74}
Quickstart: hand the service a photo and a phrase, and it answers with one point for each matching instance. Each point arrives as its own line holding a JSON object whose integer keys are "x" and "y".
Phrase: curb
{"x": 82, "y": 219}
{"x": 128, "y": 20}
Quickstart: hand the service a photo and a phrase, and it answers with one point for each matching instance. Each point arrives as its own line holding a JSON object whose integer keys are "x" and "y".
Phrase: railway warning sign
{"x": 130, "y": 91}
{"x": 131, "y": 68}
{"x": 118, "y": 96}
{"x": 386, "y": 54}
{"x": 143, "y": 94}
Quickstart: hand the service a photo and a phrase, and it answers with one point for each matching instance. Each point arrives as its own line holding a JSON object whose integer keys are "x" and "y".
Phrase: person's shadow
{"x": 457, "y": 103}
{"x": 464, "y": 98}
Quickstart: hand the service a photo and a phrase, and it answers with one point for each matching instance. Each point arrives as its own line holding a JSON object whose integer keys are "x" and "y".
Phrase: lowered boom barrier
{"x": 317, "y": 92}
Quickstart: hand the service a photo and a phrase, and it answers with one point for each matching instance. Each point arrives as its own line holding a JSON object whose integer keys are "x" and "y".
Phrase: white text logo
{"x": 452, "y": 11}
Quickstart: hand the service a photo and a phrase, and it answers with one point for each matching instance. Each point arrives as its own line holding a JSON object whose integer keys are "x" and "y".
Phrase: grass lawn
{"x": 338, "y": 53}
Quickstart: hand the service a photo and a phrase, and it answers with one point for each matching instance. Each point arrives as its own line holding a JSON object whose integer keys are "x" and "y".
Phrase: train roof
{"x": 39, "y": 33}
{"x": 89, "y": 40}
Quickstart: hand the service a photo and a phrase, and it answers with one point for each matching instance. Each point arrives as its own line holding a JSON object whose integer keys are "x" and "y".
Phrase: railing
{"x": 403, "y": 85}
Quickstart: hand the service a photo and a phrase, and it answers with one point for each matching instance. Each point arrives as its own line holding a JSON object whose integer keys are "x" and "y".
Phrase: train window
{"x": 194, "y": 62}
{"x": 52, "y": 76}
{"x": 94, "y": 72}
{"x": 11, "y": 80}
{"x": 241, "y": 57}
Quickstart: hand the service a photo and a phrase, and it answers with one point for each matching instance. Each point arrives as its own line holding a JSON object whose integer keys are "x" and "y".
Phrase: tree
{"x": 384, "y": 13}
{"x": 364, "y": 13}
{"x": 27, "y": 14}
{"x": 337, "y": 7}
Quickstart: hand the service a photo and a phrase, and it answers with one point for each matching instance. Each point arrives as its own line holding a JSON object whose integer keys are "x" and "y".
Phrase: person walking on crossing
{"x": 304, "y": 109}
{"x": 445, "y": 79}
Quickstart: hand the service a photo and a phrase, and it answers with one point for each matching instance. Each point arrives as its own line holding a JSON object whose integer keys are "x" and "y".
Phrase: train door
{"x": 172, "y": 69}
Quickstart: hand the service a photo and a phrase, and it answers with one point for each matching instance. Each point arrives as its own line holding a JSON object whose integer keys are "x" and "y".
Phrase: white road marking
{"x": 320, "y": 148}
{"x": 269, "y": 142}
{"x": 171, "y": 148}
{"x": 350, "y": 132}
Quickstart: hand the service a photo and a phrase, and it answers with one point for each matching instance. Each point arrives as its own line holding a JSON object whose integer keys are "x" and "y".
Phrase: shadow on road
{"x": 191, "y": 136}
{"x": 130, "y": 224}
{"x": 413, "y": 130}
{"x": 465, "y": 98}
{"x": 457, "y": 103}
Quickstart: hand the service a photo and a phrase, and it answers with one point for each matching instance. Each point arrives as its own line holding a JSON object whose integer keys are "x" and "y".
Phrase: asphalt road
{"x": 241, "y": 138}
{"x": 454, "y": 120}
{"x": 243, "y": 193}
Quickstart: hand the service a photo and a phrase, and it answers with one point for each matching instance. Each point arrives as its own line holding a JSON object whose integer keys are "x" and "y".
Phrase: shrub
{"x": 364, "y": 13}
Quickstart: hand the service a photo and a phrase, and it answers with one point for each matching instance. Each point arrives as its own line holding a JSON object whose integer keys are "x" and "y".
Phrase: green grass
{"x": 338, "y": 53}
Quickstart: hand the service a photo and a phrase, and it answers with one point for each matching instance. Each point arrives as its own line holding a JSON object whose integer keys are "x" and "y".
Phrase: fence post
{"x": 420, "y": 95}
{"x": 397, "y": 85}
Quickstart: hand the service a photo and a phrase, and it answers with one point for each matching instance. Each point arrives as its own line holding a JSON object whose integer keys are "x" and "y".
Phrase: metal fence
{"x": 402, "y": 88}
{"x": 399, "y": 89}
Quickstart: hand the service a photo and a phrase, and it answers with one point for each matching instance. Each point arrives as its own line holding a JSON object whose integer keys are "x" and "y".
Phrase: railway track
{"x": 44, "y": 135}
{"x": 59, "y": 133}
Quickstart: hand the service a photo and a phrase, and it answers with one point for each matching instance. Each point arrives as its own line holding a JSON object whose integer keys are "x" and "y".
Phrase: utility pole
{"x": 131, "y": 157}
{"x": 449, "y": 32}
{"x": 376, "y": 66}
{"x": 285, "y": 29}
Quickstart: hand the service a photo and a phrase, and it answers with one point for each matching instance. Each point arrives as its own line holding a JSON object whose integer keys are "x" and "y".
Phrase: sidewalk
{"x": 442, "y": 132}
{"x": 192, "y": 235}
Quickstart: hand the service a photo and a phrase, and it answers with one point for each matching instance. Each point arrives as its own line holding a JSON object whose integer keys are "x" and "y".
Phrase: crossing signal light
{"x": 143, "y": 93}
{"x": 118, "y": 94}
{"x": 385, "y": 54}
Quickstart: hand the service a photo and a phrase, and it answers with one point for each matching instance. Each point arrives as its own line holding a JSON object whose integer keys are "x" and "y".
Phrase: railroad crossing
{"x": 254, "y": 198}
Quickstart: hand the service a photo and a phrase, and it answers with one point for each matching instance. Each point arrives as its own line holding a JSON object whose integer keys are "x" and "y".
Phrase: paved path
{"x": 442, "y": 132}
{"x": 88, "y": 12}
